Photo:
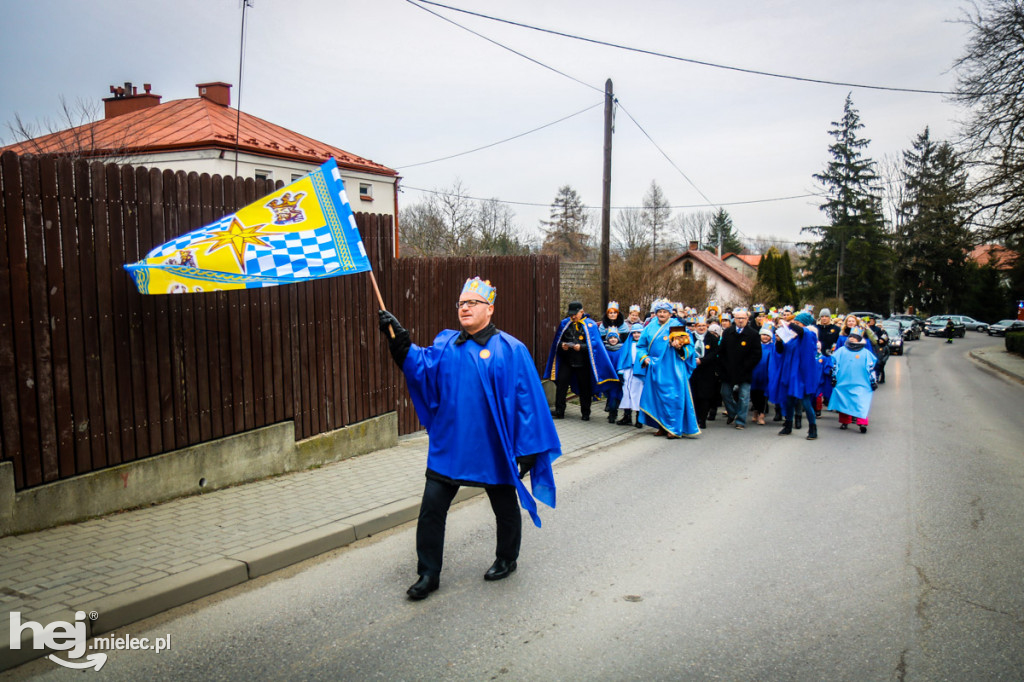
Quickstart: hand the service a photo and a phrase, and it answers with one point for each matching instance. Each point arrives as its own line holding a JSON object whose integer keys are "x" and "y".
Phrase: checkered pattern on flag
{"x": 303, "y": 231}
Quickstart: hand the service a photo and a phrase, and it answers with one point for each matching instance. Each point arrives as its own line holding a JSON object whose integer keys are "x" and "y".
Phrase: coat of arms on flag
{"x": 305, "y": 230}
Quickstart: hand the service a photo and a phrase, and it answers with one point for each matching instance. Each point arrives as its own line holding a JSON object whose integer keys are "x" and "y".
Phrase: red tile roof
{"x": 191, "y": 124}
{"x": 717, "y": 265}
{"x": 999, "y": 257}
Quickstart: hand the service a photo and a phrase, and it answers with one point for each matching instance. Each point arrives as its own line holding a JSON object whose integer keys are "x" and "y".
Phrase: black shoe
{"x": 730, "y": 419}
{"x": 627, "y": 418}
{"x": 711, "y": 417}
{"x": 637, "y": 424}
{"x": 844, "y": 426}
{"x": 501, "y": 568}
{"x": 611, "y": 417}
{"x": 817, "y": 413}
{"x": 558, "y": 415}
{"x": 585, "y": 417}
{"x": 812, "y": 432}
{"x": 423, "y": 587}
{"x": 863, "y": 429}
{"x": 799, "y": 422}
{"x": 787, "y": 428}
{"x": 778, "y": 416}
{"x": 702, "y": 425}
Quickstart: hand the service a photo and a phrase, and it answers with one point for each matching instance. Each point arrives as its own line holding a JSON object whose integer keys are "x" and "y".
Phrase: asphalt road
{"x": 893, "y": 555}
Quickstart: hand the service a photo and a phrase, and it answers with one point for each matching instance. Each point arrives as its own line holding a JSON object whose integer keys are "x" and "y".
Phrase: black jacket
{"x": 738, "y": 355}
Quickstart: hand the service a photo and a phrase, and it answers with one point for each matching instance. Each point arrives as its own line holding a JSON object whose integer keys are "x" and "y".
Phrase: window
{"x": 688, "y": 268}
{"x": 297, "y": 176}
{"x": 264, "y": 174}
{"x": 365, "y": 191}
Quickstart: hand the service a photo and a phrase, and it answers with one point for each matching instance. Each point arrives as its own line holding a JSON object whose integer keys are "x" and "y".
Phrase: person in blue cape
{"x": 578, "y": 360}
{"x": 655, "y": 337}
{"x": 613, "y": 347}
{"x": 666, "y": 401}
{"x": 478, "y": 394}
{"x": 799, "y": 373}
{"x": 760, "y": 376}
{"x": 853, "y": 381}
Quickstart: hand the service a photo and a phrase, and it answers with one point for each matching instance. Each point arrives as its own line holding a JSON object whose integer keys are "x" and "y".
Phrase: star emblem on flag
{"x": 238, "y": 237}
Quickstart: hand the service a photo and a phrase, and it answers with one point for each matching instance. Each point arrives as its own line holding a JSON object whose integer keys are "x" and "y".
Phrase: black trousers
{"x": 565, "y": 374}
{"x": 437, "y": 499}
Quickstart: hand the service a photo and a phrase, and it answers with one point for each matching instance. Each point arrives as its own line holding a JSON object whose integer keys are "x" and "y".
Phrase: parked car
{"x": 936, "y": 326}
{"x": 913, "y": 322}
{"x": 862, "y": 315}
{"x": 896, "y": 332}
{"x": 973, "y": 324}
{"x": 1002, "y": 326}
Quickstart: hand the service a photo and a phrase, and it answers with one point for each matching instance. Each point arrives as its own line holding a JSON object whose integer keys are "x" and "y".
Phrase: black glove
{"x": 400, "y": 344}
{"x": 525, "y": 463}
{"x": 386, "y": 319}
{"x": 835, "y": 382}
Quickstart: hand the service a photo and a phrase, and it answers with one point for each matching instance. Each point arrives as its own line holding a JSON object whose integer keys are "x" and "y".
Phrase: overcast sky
{"x": 389, "y": 81}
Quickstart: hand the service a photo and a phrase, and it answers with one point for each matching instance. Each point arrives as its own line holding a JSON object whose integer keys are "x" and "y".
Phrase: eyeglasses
{"x": 468, "y": 304}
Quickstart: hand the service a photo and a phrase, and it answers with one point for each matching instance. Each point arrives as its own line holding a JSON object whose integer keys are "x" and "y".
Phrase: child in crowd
{"x": 632, "y": 386}
{"x": 614, "y": 395}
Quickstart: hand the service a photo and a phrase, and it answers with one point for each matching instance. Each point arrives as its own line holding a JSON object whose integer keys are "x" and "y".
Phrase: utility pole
{"x": 606, "y": 199}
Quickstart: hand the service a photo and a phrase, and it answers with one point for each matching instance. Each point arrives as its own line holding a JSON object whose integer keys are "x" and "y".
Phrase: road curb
{"x": 994, "y": 368}
{"x": 138, "y": 603}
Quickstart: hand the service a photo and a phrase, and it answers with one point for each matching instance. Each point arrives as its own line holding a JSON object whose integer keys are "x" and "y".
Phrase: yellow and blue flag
{"x": 305, "y": 230}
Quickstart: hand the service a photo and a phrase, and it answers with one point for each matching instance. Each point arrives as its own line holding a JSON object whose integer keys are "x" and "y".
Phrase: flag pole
{"x": 380, "y": 300}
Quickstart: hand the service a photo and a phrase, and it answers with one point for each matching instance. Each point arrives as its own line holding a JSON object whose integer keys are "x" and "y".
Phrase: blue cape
{"x": 483, "y": 407}
{"x": 852, "y": 392}
{"x": 652, "y": 343}
{"x": 666, "y": 400}
{"x": 759, "y": 378}
{"x": 602, "y": 370}
{"x": 799, "y": 372}
{"x": 625, "y": 358}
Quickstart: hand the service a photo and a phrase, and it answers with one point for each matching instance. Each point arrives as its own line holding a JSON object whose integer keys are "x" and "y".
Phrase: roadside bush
{"x": 1015, "y": 343}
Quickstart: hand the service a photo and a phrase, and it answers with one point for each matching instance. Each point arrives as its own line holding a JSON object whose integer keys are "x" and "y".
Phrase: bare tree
{"x": 497, "y": 230}
{"x": 77, "y": 132}
{"x": 695, "y": 226}
{"x": 630, "y": 235}
{"x": 655, "y": 216}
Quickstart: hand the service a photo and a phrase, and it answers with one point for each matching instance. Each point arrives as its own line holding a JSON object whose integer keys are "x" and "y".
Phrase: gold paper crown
{"x": 481, "y": 287}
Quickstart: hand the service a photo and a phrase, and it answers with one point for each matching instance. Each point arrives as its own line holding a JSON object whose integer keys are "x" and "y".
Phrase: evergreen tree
{"x": 766, "y": 273}
{"x": 933, "y": 237}
{"x": 722, "y": 230}
{"x": 851, "y": 258}
{"x": 775, "y": 276}
{"x": 784, "y": 283}
{"x": 565, "y": 233}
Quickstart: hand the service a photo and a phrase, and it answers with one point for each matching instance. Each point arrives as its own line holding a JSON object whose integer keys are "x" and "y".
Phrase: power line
{"x": 494, "y": 144}
{"x": 505, "y": 47}
{"x": 617, "y": 208}
{"x": 688, "y": 60}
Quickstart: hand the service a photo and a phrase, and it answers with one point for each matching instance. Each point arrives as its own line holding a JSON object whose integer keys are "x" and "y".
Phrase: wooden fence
{"x": 93, "y": 374}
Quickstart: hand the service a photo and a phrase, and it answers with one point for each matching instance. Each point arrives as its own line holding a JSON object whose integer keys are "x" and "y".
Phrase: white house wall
{"x": 215, "y": 162}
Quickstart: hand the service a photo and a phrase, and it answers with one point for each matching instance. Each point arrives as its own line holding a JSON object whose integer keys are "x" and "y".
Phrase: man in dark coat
{"x": 828, "y": 331}
{"x": 578, "y": 360}
{"x": 704, "y": 382}
{"x": 738, "y": 354}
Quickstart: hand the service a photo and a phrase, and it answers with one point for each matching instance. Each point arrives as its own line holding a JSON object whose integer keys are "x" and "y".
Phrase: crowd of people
{"x": 674, "y": 368}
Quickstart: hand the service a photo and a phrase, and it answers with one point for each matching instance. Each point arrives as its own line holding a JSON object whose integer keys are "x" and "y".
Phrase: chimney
{"x": 694, "y": 246}
{"x": 127, "y": 99}
{"x": 218, "y": 93}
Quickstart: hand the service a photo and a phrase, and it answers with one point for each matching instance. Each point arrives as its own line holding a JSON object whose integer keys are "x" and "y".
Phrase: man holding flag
{"x": 478, "y": 394}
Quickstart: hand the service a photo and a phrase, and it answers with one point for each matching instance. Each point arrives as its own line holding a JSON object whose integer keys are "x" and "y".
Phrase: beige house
{"x": 729, "y": 286}
{"x": 745, "y": 264}
{"x": 199, "y": 134}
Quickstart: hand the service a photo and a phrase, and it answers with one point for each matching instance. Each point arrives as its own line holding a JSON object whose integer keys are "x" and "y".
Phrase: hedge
{"x": 1015, "y": 343}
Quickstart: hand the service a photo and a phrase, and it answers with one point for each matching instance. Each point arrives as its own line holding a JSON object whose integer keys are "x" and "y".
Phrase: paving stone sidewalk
{"x": 131, "y": 565}
{"x": 998, "y": 359}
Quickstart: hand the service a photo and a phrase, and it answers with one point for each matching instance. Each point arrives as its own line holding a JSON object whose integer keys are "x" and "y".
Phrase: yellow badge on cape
{"x": 484, "y": 354}
{"x": 743, "y": 343}
{"x": 666, "y": 338}
{"x": 857, "y": 356}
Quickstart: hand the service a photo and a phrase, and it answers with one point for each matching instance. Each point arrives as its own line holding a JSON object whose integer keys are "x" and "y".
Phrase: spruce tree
{"x": 851, "y": 258}
{"x": 565, "y": 234}
{"x": 721, "y": 229}
{"x": 934, "y": 237}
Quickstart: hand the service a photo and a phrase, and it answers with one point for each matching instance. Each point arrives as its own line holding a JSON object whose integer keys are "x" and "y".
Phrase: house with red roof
{"x": 725, "y": 284}
{"x": 204, "y": 134}
{"x": 744, "y": 263}
{"x": 994, "y": 255}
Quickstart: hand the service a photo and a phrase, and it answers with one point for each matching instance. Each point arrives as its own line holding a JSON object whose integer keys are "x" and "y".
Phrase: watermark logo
{"x": 73, "y": 638}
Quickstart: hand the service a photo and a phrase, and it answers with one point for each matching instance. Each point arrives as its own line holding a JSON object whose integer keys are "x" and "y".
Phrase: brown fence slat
{"x": 120, "y": 325}
{"x": 21, "y": 438}
{"x": 38, "y": 374}
{"x": 60, "y": 365}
